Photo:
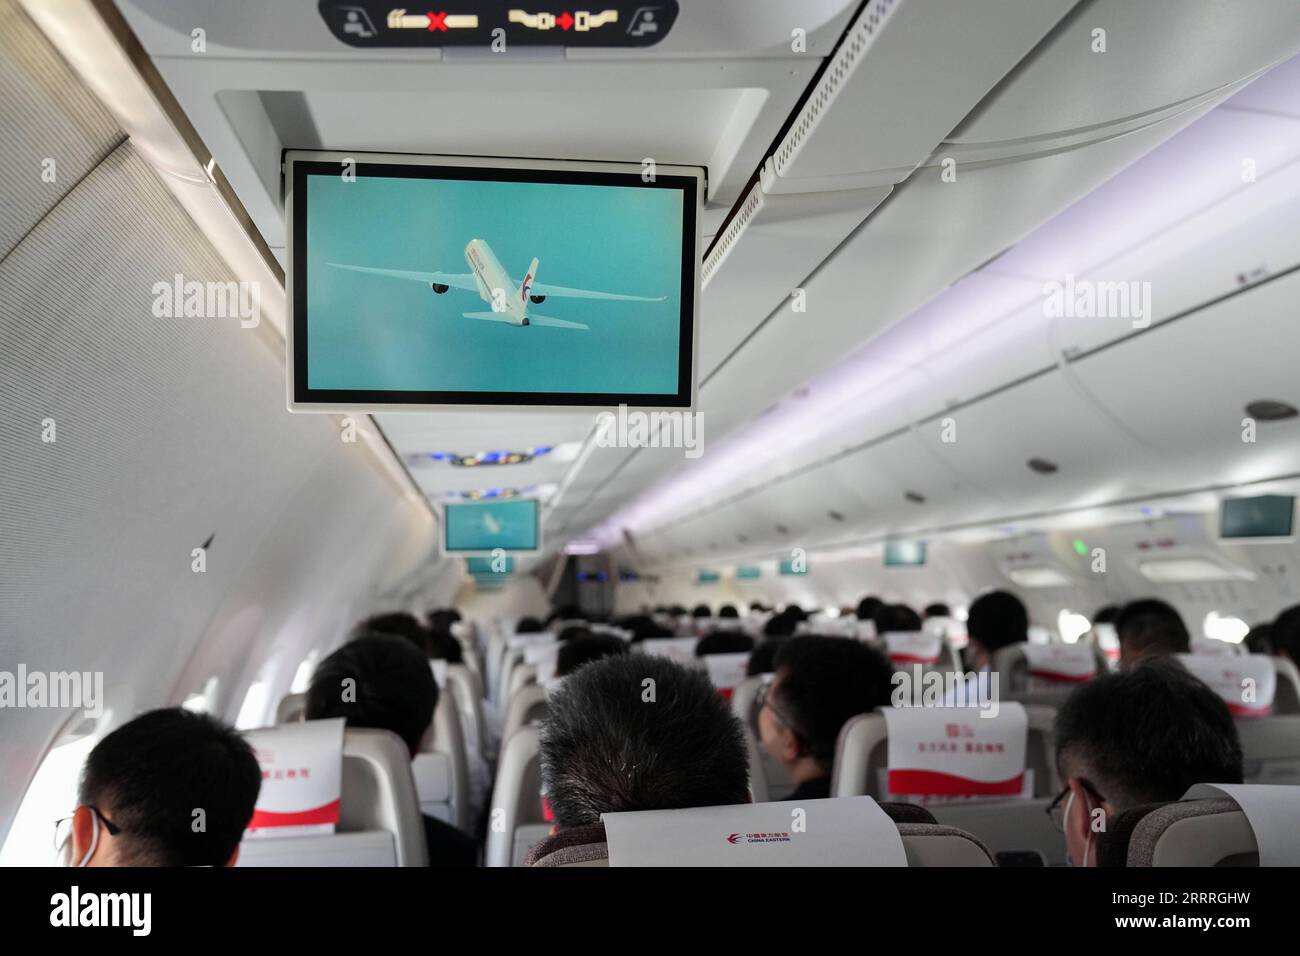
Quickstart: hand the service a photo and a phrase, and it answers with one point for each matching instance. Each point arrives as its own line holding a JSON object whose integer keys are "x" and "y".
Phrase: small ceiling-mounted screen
{"x": 904, "y": 554}
{"x": 483, "y": 527}
{"x": 1261, "y": 518}
{"x": 418, "y": 281}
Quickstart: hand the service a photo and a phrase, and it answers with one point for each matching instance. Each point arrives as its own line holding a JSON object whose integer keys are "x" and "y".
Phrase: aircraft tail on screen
{"x": 526, "y": 286}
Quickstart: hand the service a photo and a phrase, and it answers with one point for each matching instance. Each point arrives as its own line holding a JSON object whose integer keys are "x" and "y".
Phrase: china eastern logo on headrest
{"x": 737, "y": 838}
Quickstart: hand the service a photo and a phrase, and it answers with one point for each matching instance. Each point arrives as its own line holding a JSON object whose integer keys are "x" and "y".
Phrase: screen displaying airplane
{"x": 509, "y": 301}
{"x": 419, "y": 284}
{"x": 484, "y": 526}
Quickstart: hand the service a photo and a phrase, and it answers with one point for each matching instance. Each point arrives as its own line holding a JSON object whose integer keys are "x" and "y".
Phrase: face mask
{"x": 94, "y": 842}
{"x": 1087, "y": 847}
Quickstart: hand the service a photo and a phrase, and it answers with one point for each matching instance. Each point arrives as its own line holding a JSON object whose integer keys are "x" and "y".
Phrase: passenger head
{"x": 938, "y": 609}
{"x": 376, "y": 681}
{"x": 1259, "y": 640}
{"x": 586, "y": 648}
{"x": 529, "y": 625}
{"x": 443, "y": 645}
{"x": 1106, "y": 614}
{"x": 728, "y": 611}
{"x": 896, "y": 617}
{"x": 397, "y": 623}
{"x": 780, "y": 625}
{"x": 442, "y": 619}
{"x": 701, "y": 610}
{"x": 573, "y": 632}
{"x": 820, "y": 683}
{"x": 762, "y": 659}
{"x": 638, "y": 732}
{"x": 996, "y": 620}
{"x": 143, "y": 782}
{"x": 1286, "y": 634}
{"x": 566, "y": 612}
{"x": 1139, "y": 736}
{"x": 1149, "y": 628}
{"x": 867, "y": 608}
{"x": 724, "y": 642}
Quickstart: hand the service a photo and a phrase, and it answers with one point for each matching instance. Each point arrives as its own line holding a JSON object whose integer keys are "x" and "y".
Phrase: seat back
{"x": 1046, "y": 674}
{"x": 1194, "y": 833}
{"x": 516, "y": 795}
{"x": 1246, "y": 682}
{"x": 526, "y": 706}
{"x": 449, "y": 742}
{"x": 379, "y": 815}
{"x": 1270, "y": 747}
{"x": 292, "y": 708}
{"x": 1286, "y": 699}
{"x": 463, "y": 684}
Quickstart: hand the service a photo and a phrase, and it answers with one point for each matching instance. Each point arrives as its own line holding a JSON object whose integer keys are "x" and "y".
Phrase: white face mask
{"x": 94, "y": 843}
{"x": 1087, "y": 847}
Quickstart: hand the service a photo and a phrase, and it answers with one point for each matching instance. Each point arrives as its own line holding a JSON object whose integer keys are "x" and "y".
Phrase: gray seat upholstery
{"x": 528, "y": 704}
{"x": 1194, "y": 833}
{"x": 1271, "y": 749}
{"x": 291, "y": 708}
{"x": 1286, "y": 699}
{"x": 516, "y": 795}
{"x": 768, "y": 780}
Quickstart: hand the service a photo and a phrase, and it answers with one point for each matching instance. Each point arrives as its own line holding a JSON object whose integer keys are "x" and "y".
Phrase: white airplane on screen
{"x": 490, "y": 280}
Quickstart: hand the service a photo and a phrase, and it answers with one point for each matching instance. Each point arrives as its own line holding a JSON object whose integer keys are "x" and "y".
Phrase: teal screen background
{"x": 373, "y": 332}
{"x": 469, "y": 525}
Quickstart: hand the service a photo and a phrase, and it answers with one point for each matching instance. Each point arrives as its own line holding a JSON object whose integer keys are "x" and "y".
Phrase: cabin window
{"x": 204, "y": 700}
{"x": 1230, "y": 630}
{"x": 253, "y": 711}
{"x": 302, "y": 676}
{"x": 52, "y": 793}
{"x": 1072, "y": 626}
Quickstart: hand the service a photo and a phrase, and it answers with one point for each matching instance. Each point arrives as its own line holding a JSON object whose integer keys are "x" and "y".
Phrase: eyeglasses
{"x": 764, "y": 699}
{"x": 1056, "y": 809}
{"x": 63, "y": 827}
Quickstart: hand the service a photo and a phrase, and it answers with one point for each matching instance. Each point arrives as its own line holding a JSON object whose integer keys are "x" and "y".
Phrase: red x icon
{"x": 564, "y": 20}
{"x": 437, "y": 21}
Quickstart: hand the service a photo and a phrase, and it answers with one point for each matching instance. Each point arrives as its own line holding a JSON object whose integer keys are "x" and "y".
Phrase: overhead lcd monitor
{"x": 481, "y": 527}
{"x": 707, "y": 577}
{"x": 789, "y": 567}
{"x": 904, "y": 554}
{"x": 418, "y": 281}
{"x": 1265, "y": 518}
{"x": 748, "y": 572}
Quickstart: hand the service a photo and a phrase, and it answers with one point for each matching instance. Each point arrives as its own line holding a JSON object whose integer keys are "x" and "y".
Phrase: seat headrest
{"x": 302, "y": 778}
{"x": 851, "y": 831}
{"x": 1193, "y": 833}
{"x": 938, "y": 752}
{"x": 1271, "y": 810}
{"x": 1246, "y": 682}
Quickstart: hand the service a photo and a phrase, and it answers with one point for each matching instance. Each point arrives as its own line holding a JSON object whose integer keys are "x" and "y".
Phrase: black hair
{"x": 1259, "y": 640}
{"x": 937, "y": 609}
{"x": 823, "y": 681}
{"x": 996, "y": 620}
{"x": 442, "y": 619}
{"x": 724, "y": 642}
{"x": 393, "y": 687}
{"x": 566, "y": 612}
{"x": 1147, "y": 734}
{"x": 529, "y": 625}
{"x": 1106, "y": 614}
{"x": 701, "y": 610}
{"x": 444, "y": 646}
{"x": 867, "y": 608}
{"x": 639, "y": 732}
{"x": 795, "y": 612}
{"x": 729, "y": 611}
{"x": 1150, "y": 627}
{"x": 573, "y": 632}
{"x": 399, "y": 624}
{"x": 780, "y": 625}
{"x": 1285, "y": 637}
{"x": 762, "y": 659}
{"x": 585, "y": 648}
{"x": 896, "y": 617}
{"x": 150, "y": 776}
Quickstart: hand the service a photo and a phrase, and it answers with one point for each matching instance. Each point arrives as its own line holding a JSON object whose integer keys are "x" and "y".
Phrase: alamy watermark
{"x": 208, "y": 300}
{"x": 57, "y": 689}
{"x": 919, "y": 688}
{"x": 1086, "y": 299}
{"x": 637, "y": 429}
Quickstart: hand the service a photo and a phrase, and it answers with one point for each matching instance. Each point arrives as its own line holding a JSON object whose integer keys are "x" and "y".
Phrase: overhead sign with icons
{"x": 494, "y": 23}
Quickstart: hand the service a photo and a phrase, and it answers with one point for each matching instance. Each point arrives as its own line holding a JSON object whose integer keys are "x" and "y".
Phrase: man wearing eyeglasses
{"x": 820, "y": 683}
{"x": 1136, "y": 737}
{"x": 170, "y": 788}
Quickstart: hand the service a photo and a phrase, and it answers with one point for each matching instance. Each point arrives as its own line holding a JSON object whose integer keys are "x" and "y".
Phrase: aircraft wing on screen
{"x": 457, "y": 280}
{"x": 561, "y": 292}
